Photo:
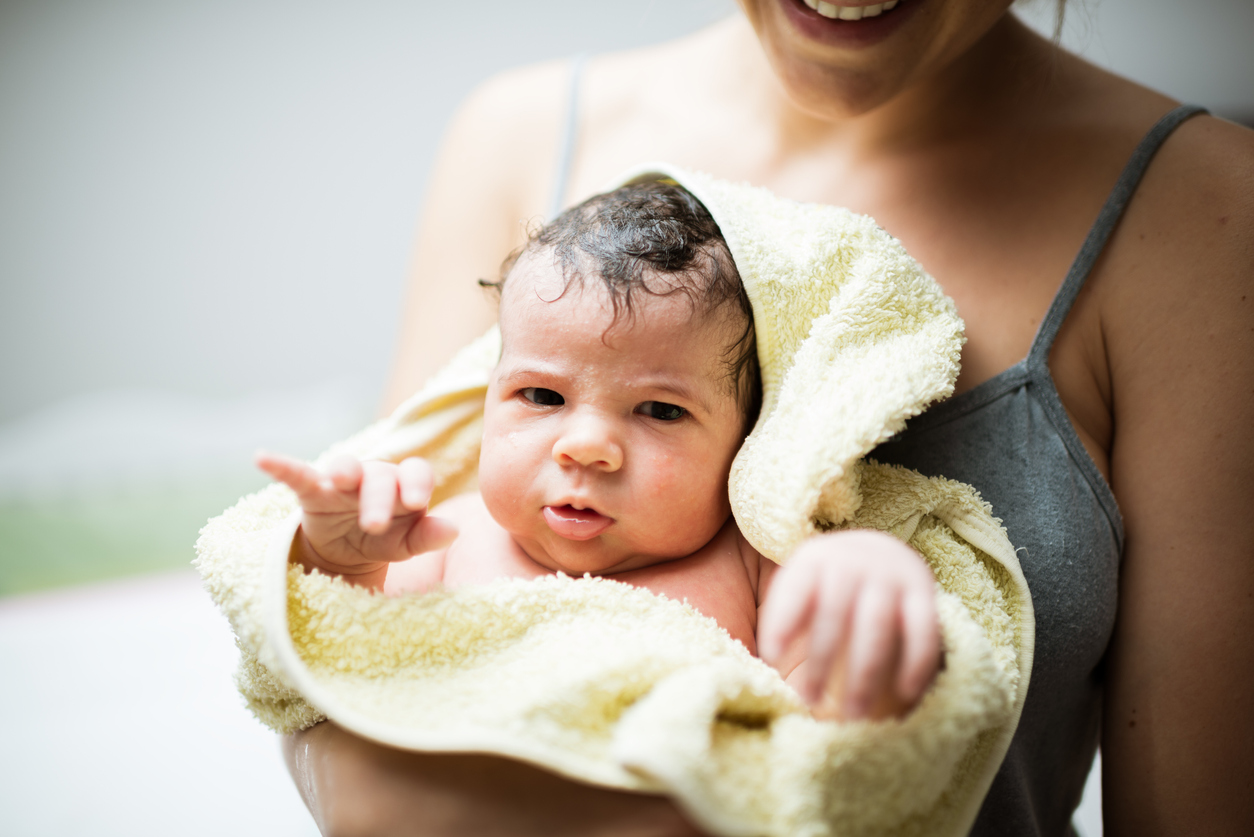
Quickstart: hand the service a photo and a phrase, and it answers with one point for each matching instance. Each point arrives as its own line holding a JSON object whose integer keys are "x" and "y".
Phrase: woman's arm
{"x": 491, "y": 179}
{"x": 356, "y": 788}
{"x": 1178, "y": 325}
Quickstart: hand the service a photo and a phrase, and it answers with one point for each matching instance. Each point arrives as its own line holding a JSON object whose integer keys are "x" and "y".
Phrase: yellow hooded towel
{"x": 615, "y": 686}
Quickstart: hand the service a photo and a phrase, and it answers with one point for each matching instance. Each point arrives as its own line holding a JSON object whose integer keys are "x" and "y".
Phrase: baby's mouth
{"x": 576, "y": 524}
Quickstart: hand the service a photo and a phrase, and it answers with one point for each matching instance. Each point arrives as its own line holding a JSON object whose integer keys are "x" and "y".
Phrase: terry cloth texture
{"x": 613, "y": 685}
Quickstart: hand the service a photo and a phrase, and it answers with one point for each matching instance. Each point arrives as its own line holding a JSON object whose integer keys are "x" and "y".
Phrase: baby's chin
{"x": 579, "y": 558}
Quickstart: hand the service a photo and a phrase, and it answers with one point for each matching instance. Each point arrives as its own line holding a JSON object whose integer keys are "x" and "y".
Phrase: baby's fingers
{"x": 920, "y": 645}
{"x": 416, "y": 481}
{"x": 295, "y": 474}
{"x": 429, "y": 534}
{"x": 872, "y": 649}
{"x": 829, "y": 631}
{"x": 345, "y": 473}
{"x": 788, "y": 609}
{"x": 377, "y": 496}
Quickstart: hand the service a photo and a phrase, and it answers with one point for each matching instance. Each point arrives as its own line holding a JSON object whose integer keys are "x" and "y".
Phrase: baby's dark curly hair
{"x": 654, "y": 238}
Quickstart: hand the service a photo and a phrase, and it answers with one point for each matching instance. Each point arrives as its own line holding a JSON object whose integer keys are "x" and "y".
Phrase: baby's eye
{"x": 661, "y": 410}
{"x": 543, "y": 397}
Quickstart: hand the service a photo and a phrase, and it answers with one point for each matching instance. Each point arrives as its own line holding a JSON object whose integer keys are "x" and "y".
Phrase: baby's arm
{"x": 851, "y": 622}
{"x": 360, "y": 517}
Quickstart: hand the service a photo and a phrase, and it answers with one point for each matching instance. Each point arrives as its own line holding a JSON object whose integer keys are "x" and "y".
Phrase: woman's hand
{"x": 357, "y": 787}
{"x": 859, "y": 608}
{"x": 358, "y": 517}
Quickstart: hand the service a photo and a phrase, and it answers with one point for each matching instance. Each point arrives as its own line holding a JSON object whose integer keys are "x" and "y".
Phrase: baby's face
{"x": 603, "y": 455}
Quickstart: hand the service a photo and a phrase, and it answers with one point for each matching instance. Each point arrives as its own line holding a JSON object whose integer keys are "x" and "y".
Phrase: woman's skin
{"x": 988, "y": 151}
{"x": 356, "y": 787}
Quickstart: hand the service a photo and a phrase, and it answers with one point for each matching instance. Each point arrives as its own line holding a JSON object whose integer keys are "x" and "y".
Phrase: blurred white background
{"x": 206, "y": 210}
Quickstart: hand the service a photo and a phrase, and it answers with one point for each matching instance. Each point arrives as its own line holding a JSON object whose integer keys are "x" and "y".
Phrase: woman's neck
{"x": 1001, "y": 74}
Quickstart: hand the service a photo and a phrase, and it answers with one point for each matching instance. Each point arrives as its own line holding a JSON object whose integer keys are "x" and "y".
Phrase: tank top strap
{"x": 1100, "y": 232}
{"x": 566, "y": 147}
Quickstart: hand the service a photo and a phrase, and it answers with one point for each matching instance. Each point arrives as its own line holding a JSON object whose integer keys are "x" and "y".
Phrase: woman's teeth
{"x": 850, "y": 12}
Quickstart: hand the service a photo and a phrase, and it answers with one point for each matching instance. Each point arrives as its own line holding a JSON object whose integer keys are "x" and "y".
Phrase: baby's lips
{"x": 576, "y": 524}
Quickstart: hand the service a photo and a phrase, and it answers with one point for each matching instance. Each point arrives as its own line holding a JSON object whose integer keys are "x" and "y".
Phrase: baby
{"x": 627, "y": 382}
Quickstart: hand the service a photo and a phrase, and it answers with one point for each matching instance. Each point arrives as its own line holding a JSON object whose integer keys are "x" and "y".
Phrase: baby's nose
{"x": 588, "y": 442}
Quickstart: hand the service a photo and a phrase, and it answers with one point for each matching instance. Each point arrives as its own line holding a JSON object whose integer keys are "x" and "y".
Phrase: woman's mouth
{"x": 834, "y": 12}
{"x": 576, "y": 524}
{"x": 848, "y": 25}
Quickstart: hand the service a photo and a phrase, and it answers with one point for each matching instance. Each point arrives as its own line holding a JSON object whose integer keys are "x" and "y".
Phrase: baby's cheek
{"x": 671, "y": 480}
{"x": 501, "y": 477}
{"x": 687, "y": 493}
{"x": 513, "y": 462}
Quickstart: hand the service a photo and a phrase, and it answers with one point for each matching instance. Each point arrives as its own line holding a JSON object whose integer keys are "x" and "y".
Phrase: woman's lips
{"x": 845, "y": 12}
{"x": 848, "y": 33}
{"x": 576, "y": 524}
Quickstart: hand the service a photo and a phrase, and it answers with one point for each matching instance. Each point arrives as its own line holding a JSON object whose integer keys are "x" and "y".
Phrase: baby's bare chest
{"x": 716, "y": 580}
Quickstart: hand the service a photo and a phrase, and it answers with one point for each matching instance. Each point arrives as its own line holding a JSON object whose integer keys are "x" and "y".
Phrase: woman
{"x": 989, "y": 152}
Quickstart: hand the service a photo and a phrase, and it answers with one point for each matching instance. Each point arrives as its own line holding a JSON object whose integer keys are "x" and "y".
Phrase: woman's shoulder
{"x": 1205, "y": 159}
{"x": 511, "y": 125}
{"x": 1174, "y": 299}
{"x": 1205, "y": 180}
{"x": 1185, "y": 239}
{"x": 1184, "y": 236}
{"x": 500, "y": 143}
{"x": 525, "y": 95}
{"x": 1203, "y": 196}
{"x": 532, "y": 100}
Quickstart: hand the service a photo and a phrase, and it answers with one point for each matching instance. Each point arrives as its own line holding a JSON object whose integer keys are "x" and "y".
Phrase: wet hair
{"x": 655, "y": 239}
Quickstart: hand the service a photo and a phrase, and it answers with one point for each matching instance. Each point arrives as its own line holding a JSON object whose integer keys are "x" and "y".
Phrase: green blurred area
{"x": 60, "y": 541}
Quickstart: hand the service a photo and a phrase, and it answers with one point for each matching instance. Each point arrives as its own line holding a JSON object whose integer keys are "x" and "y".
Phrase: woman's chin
{"x": 829, "y": 74}
{"x": 834, "y": 69}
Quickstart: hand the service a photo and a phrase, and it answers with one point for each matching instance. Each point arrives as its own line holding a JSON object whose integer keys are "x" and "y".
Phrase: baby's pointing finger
{"x": 416, "y": 482}
{"x": 293, "y": 473}
{"x": 377, "y": 496}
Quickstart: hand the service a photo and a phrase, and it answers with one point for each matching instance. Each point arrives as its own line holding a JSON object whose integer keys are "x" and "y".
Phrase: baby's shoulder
{"x": 746, "y": 550}
{"x": 484, "y": 551}
{"x": 478, "y": 533}
{"x": 463, "y": 508}
{"x": 426, "y": 571}
{"x": 758, "y": 568}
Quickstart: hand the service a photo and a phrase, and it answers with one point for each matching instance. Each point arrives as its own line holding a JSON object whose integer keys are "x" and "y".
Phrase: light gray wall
{"x": 1199, "y": 51}
{"x": 217, "y": 196}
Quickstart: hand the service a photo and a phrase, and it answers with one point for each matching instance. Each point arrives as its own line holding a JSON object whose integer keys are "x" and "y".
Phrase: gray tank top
{"x": 1011, "y": 438}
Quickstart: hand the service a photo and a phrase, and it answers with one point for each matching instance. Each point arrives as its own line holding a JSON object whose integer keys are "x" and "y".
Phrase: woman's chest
{"x": 997, "y": 233}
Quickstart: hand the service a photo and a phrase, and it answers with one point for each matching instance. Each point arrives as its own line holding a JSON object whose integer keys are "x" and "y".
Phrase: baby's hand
{"x": 358, "y": 517}
{"x": 864, "y": 603}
